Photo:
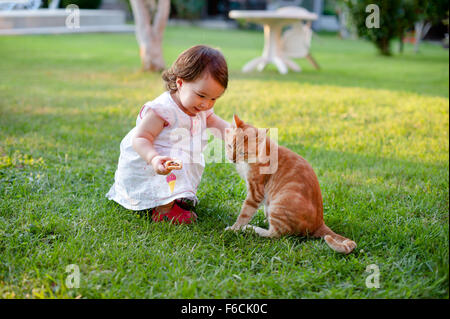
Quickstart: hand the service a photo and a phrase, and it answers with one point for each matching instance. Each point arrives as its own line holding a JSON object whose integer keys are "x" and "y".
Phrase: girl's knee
{"x": 165, "y": 208}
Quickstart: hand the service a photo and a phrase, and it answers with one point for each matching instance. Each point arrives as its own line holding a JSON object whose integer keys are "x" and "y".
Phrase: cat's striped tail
{"x": 335, "y": 241}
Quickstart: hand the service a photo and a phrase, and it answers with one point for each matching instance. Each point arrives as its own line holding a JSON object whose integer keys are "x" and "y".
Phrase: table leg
{"x": 279, "y": 63}
{"x": 252, "y": 64}
{"x": 291, "y": 64}
{"x": 272, "y": 52}
{"x": 262, "y": 64}
{"x": 272, "y": 46}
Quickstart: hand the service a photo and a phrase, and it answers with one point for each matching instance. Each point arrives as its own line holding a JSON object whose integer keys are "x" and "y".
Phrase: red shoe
{"x": 176, "y": 215}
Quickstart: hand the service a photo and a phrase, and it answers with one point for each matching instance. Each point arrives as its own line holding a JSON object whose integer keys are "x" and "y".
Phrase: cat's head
{"x": 243, "y": 142}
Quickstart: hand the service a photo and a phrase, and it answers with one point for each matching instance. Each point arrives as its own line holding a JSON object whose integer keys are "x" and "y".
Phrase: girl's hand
{"x": 158, "y": 164}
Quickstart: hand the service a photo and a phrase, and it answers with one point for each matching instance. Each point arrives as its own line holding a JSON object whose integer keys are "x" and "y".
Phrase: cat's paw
{"x": 232, "y": 228}
{"x": 235, "y": 227}
{"x": 248, "y": 227}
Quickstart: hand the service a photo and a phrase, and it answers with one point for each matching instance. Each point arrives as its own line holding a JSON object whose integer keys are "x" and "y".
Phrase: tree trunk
{"x": 150, "y": 35}
{"x": 384, "y": 47}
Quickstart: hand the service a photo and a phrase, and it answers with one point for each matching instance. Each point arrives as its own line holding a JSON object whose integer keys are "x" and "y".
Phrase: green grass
{"x": 375, "y": 129}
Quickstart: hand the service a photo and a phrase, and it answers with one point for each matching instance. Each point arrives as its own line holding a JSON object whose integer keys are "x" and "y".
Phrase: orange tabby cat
{"x": 291, "y": 193}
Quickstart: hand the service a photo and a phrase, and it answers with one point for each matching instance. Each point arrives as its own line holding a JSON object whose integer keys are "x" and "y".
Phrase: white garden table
{"x": 273, "y": 22}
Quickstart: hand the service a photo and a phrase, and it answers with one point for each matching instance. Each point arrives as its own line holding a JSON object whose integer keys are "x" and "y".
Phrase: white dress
{"x": 136, "y": 184}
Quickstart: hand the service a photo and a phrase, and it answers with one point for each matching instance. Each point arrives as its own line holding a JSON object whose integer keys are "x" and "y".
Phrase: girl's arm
{"x": 146, "y": 132}
{"x": 214, "y": 121}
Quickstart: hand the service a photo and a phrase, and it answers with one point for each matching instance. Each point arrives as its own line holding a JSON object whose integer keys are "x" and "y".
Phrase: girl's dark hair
{"x": 191, "y": 63}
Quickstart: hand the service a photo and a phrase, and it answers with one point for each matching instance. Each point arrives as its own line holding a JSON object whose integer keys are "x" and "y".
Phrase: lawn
{"x": 375, "y": 129}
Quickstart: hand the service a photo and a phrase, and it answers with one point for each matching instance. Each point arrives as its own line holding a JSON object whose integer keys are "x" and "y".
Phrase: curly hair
{"x": 191, "y": 63}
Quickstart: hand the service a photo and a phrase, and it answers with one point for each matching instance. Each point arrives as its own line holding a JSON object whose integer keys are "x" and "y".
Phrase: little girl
{"x": 169, "y": 128}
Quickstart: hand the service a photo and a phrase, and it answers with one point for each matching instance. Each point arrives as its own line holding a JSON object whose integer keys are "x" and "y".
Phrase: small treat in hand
{"x": 173, "y": 164}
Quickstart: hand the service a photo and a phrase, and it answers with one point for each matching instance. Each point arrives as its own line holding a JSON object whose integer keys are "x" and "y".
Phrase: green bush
{"x": 396, "y": 17}
{"x": 188, "y": 9}
{"x": 329, "y": 7}
{"x": 392, "y": 19}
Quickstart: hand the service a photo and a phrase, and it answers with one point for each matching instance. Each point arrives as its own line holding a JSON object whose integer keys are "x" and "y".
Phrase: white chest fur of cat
{"x": 242, "y": 169}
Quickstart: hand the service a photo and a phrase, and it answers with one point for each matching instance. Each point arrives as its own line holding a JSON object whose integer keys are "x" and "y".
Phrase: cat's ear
{"x": 237, "y": 121}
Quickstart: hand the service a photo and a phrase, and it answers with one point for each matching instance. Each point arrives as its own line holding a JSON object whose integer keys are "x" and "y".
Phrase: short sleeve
{"x": 164, "y": 112}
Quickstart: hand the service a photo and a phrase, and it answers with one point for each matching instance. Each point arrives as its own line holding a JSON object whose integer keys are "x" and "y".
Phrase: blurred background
{"x": 404, "y": 18}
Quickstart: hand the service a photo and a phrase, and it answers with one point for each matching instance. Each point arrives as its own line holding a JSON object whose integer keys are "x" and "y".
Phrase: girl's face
{"x": 199, "y": 95}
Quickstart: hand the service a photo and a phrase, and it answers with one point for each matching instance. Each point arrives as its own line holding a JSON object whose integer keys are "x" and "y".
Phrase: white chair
{"x": 296, "y": 41}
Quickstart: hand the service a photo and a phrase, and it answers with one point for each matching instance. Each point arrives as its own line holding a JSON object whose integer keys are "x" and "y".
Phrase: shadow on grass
{"x": 413, "y": 189}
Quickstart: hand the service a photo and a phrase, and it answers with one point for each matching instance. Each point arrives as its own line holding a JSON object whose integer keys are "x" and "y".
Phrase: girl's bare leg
{"x": 164, "y": 208}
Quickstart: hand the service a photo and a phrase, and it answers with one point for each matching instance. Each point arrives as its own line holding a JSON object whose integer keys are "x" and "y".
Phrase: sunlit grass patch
{"x": 19, "y": 160}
